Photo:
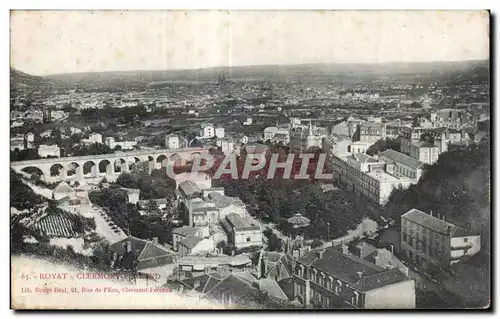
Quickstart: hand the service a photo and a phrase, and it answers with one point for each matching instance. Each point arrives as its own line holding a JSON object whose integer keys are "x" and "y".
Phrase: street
{"x": 102, "y": 226}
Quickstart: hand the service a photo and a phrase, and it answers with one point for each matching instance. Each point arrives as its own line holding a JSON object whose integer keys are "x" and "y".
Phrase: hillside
{"x": 341, "y": 73}
{"x": 457, "y": 186}
{"x": 21, "y": 82}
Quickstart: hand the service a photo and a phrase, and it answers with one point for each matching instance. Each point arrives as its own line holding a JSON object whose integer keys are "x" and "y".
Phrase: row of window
{"x": 323, "y": 300}
{"x": 418, "y": 231}
{"x": 405, "y": 171}
{"x": 436, "y": 250}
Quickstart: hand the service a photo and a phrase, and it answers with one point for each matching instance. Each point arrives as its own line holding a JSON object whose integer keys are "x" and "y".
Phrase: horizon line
{"x": 256, "y": 65}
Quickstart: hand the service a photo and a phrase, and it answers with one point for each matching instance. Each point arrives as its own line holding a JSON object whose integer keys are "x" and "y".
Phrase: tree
{"x": 275, "y": 243}
{"x": 427, "y": 137}
{"x": 416, "y": 105}
{"x": 76, "y": 138}
{"x": 56, "y": 135}
{"x": 152, "y": 208}
{"x": 127, "y": 180}
{"x": 92, "y": 149}
{"x": 18, "y": 231}
{"x": 456, "y": 186}
{"x": 21, "y": 195}
{"x": 316, "y": 243}
{"x": 382, "y": 145}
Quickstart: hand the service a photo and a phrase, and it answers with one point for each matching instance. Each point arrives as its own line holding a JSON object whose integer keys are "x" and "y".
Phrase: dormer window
{"x": 355, "y": 298}
{"x": 338, "y": 287}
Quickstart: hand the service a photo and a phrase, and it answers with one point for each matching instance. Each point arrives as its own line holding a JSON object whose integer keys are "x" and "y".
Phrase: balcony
{"x": 463, "y": 257}
{"x": 462, "y": 246}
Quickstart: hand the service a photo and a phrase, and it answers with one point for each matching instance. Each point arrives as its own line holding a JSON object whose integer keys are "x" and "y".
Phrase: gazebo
{"x": 299, "y": 221}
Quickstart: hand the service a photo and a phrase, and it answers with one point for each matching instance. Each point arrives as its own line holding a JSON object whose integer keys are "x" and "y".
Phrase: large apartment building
{"x": 425, "y": 152}
{"x": 452, "y": 118}
{"x": 401, "y": 165}
{"x": 375, "y": 178}
{"x": 241, "y": 231}
{"x": 303, "y": 138}
{"x": 409, "y": 136}
{"x": 428, "y": 240}
{"x": 370, "y": 132}
{"x": 329, "y": 278}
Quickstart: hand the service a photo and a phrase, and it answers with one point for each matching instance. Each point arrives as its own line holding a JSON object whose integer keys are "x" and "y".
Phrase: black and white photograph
{"x": 250, "y": 160}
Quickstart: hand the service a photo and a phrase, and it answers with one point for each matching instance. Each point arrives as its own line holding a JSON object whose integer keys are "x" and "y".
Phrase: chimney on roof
{"x": 430, "y": 212}
{"x": 449, "y": 229}
{"x": 345, "y": 249}
{"x": 376, "y": 260}
{"x": 391, "y": 246}
{"x": 321, "y": 253}
{"x": 360, "y": 275}
{"x": 442, "y": 216}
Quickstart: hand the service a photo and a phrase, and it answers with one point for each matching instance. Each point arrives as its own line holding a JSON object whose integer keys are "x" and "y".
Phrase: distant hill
{"x": 340, "y": 73}
{"x": 20, "y": 81}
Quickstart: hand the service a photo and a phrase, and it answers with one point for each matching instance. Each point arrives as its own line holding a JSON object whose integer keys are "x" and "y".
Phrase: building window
{"x": 248, "y": 239}
{"x": 338, "y": 287}
{"x": 466, "y": 240}
{"x": 465, "y": 251}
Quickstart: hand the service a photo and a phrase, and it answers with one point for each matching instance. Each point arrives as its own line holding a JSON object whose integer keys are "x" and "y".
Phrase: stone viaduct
{"x": 107, "y": 165}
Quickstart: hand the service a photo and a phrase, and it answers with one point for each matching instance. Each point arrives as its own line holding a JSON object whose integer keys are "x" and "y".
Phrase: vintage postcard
{"x": 250, "y": 160}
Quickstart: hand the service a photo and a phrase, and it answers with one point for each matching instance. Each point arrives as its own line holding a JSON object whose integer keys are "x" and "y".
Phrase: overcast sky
{"x": 45, "y": 42}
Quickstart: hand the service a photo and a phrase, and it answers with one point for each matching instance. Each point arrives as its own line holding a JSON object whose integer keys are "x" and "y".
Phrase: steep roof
{"x": 385, "y": 258}
{"x": 299, "y": 220}
{"x": 272, "y": 288}
{"x": 363, "y": 158}
{"x": 279, "y": 265}
{"x": 190, "y": 241}
{"x": 205, "y": 282}
{"x": 238, "y": 289}
{"x": 147, "y": 254}
{"x": 189, "y": 188}
{"x": 247, "y": 276}
{"x": 381, "y": 279}
{"x": 152, "y": 250}
{"x": 238, "y": 260}
{"x": 185, "y": 231}
{"x": 401, "y": 158}
{"x": 199, "y": 205}
{"x": 346, "y": 267}
{"x": 219, "y": 200}
{"x": 63, "y": 188}
{"x": 136, "y": 245}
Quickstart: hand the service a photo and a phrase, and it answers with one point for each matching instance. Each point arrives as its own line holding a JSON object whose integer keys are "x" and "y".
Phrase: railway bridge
{"x": 79, "y": 168}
